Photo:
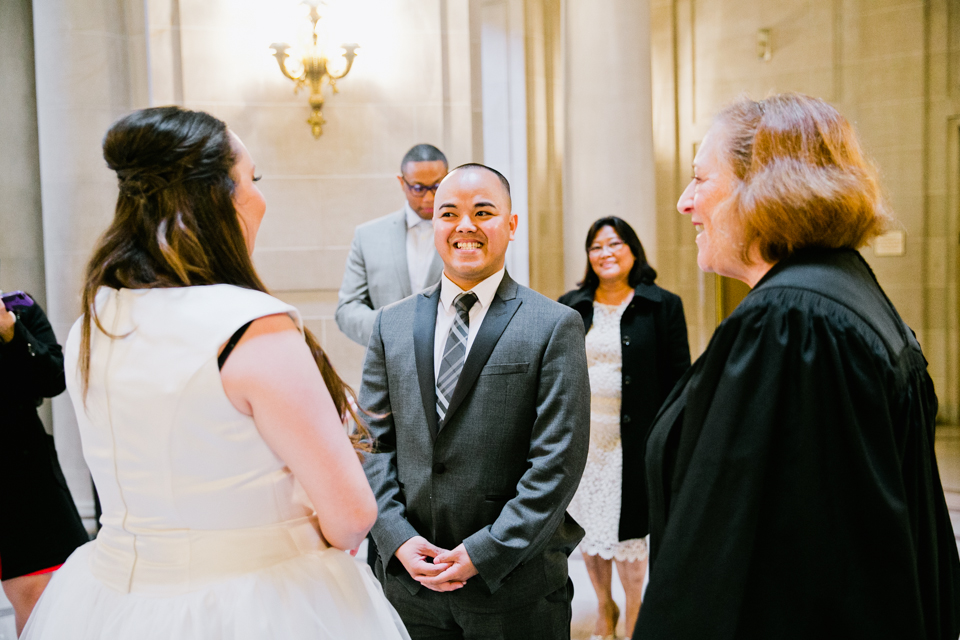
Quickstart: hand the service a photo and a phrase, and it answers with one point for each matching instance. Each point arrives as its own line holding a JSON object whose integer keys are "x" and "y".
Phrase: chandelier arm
{"x": 350, "y": 55}
{"x": 280, "y": 53}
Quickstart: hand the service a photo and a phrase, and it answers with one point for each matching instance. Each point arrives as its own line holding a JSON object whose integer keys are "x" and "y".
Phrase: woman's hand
{"x": 7, "y": 325}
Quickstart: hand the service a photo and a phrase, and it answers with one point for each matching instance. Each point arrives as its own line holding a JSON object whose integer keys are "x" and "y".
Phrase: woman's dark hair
{"x": 641, "y": 271}
{"x": 175, "y": 223}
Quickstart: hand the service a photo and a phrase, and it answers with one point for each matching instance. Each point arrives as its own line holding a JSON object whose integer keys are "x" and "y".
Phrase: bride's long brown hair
{"x": 176, "y": 225}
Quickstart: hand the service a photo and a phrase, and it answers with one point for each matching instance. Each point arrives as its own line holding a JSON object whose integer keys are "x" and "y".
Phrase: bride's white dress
{"x": 206, "y": 535}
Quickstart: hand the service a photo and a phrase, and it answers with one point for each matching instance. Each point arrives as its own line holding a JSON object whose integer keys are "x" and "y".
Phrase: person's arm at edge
{"x": 33, "y": 350}
{"x": 355, "y": 313}
{"x": 392, "y": 528}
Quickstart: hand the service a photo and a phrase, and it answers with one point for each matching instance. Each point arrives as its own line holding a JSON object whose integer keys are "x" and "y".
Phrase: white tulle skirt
{"x": 322, "y": 595}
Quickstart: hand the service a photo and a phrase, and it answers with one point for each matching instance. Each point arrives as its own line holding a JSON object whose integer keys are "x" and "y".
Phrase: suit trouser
{"x": 429, "y": 615}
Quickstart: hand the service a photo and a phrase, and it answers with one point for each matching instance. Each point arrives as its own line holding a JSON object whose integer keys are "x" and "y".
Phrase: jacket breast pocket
{"x": 502, "y": 369}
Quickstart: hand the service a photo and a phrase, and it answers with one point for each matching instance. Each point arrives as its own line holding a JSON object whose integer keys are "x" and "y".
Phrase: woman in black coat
{"x": 41, "y": 526}
{"x": 794, "y": 491}
{"x": 636, "y": 349}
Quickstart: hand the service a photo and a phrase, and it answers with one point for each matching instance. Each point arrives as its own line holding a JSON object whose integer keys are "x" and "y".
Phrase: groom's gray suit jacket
{"x": 498, "y": 473}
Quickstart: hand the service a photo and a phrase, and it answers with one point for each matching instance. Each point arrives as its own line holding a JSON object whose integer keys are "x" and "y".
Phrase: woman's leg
{"x": 601, "y": 572}
{"x": 631, "y": 575}
{"x": 23, "y": 593}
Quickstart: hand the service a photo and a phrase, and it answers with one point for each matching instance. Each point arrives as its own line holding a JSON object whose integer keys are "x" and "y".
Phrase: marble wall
{"x": 608, "y": 136}
{"x": 615, "y": 101}
{"x": 885, "y": 65}
{"x": 21, "y": 231}
{"x": 409, "y": 84}
{"x": 96, "y": 60}
{"x": 90, "y": 63}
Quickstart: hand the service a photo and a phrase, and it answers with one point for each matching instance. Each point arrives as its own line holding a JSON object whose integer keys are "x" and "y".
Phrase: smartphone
{"x": 15, "y": 299}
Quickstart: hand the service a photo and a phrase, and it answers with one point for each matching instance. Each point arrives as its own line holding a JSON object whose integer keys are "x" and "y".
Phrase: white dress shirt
{"x": 420, "y": 248}
{"x": 446, "y": 313}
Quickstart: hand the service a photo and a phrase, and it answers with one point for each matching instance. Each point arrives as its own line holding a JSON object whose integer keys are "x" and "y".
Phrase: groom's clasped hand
{"x": 436, "y": 568}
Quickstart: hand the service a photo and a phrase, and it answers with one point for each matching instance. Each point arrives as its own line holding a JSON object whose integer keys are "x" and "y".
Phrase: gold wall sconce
{"x": 764, "y": 45}
{"x": 313, "y": 67}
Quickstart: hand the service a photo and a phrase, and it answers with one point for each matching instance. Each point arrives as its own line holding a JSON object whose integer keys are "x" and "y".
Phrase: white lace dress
{"x": 596, "y": 505}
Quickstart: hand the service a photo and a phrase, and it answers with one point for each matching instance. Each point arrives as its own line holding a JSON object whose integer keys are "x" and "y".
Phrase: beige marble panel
{"x": 323, "y": 211}
{"x": 608, "y": 137}
{"x": 892, "y": 123}
{"x": 900, "y": 169}
{"x": 345, "y": 355}
{"x": 352, "y": 200}
{"x": 294, "y": 214}
{"x": 21, "y": 230}
{"x": 77, "y": 156}
{"x": 891, "y": 32}
{"x": 299, "y": 268}
{"x": 313, "y": 304}
{"x": 902, "y": 77}
{"x": 937, "y": 267}
{"x": 360, "y": 140}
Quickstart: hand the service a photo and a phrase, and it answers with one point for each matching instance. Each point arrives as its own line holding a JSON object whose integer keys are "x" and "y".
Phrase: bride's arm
{"x": 271, "y": 376}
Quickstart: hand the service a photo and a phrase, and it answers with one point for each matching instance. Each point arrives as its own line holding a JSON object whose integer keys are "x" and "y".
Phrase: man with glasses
{"x": 394, "y": 256}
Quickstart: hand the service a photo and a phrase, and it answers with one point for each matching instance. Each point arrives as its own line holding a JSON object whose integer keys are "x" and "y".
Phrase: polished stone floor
{"x": 585, "y": 603}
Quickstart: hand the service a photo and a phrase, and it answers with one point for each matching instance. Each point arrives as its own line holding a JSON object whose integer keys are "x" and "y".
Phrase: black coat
{"x": 655, "y": 353}
{"x": 794, "y": 491}
{"x": 41, "y": 526}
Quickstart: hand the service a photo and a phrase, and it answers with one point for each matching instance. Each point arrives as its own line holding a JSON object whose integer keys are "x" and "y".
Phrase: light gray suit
{"x": 498, "y": 473}
{"x": 376, "y": 274}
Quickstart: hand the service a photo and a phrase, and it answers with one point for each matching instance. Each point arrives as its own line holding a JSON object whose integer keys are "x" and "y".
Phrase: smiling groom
{"x": 478, "y": 396}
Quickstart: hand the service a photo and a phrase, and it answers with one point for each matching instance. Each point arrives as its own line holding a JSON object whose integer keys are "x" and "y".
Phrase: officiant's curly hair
{"x": 176, "y": 225}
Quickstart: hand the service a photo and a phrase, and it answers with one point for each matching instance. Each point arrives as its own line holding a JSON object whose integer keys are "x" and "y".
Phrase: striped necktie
{"x": 454, "y": 353}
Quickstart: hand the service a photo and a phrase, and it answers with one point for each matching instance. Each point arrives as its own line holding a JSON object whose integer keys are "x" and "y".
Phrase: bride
{"x": 211, "y": 421}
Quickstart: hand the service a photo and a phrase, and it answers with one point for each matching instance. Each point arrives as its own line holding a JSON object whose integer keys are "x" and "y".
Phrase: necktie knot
{"x": 463, "y": 303}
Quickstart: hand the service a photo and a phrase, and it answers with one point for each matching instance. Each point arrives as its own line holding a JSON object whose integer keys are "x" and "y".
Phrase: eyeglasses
{"x": 597, "y": 249}
{"x": 420, "y": 189}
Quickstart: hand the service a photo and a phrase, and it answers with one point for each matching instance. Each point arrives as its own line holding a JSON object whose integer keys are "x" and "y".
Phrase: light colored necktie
{"x": 454, "y": 352}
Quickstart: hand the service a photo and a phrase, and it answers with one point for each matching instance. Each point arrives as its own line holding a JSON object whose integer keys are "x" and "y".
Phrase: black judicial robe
{"x": 794, "y": 491}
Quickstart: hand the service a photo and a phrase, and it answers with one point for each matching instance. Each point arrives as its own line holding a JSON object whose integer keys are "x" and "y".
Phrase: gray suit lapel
{"x": 424, "y": 330}
{"x": 502, "y": 309}
{"x": 398, "y": 246}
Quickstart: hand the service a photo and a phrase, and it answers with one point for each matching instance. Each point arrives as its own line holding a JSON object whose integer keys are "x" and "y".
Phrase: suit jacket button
{"x": 626, "y": 341}
{"x": 625, "y": 420}
{"x": 439, "y": 468}
{"x": 626, "y": 380}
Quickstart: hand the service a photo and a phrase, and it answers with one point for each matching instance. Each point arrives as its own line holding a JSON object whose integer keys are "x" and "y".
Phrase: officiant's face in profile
{"x": 473, "y": 225}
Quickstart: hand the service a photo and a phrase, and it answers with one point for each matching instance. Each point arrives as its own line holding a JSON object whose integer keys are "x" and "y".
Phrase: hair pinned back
{"x": 176, "y": 225}
{"x": 802, "y": 178}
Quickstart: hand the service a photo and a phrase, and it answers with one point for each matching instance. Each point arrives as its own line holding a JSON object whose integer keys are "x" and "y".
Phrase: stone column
{"x": 608, "y": 145}
{"x": 90, "y": 70}
{"x": 21, "y": 231}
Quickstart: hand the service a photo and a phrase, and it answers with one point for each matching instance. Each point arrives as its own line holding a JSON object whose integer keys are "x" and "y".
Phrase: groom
{"x": 478, "y": 397}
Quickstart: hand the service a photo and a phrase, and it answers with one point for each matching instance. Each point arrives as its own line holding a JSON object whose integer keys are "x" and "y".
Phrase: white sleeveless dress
{"x": 206, "y": 535}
